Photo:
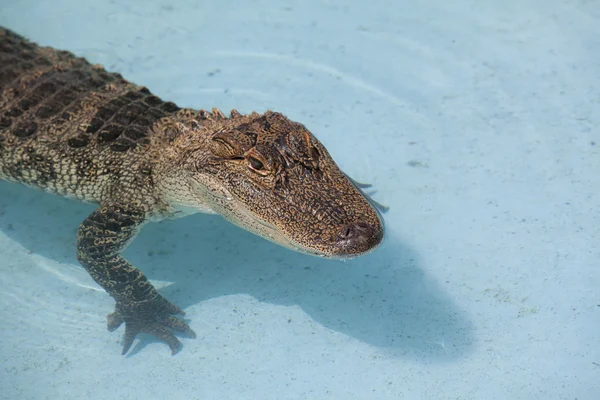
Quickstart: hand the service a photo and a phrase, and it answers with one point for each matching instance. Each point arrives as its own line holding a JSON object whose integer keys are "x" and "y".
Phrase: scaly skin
{"x": 73, "y": 129}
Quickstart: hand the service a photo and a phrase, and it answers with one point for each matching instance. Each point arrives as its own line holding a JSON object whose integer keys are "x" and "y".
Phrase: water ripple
{"x": 314, "y": 66}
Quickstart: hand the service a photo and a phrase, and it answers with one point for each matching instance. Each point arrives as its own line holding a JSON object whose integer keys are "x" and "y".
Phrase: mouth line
{"x": 277, "y": 236}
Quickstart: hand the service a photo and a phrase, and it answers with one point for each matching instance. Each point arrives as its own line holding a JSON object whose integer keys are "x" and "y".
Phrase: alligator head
{"x": 271, "y": 176}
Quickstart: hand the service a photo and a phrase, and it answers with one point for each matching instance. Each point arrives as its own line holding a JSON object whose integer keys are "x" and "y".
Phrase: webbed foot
{"x": 152, "y": 316}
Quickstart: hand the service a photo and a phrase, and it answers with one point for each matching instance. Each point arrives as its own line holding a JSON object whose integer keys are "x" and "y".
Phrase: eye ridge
{"x": 225, "y": 143}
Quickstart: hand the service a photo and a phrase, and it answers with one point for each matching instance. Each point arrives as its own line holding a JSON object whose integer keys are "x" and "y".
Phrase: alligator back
{"x": 67, "y": 126}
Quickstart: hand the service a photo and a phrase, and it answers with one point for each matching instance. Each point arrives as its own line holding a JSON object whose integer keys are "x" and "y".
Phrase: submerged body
{"x": 73, "y": 129}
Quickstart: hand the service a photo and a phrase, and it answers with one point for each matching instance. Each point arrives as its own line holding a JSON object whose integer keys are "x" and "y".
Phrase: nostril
{"x": 358, "y": 237}
{"x": 347, "y": 232}
{"x": 354, "y": 231}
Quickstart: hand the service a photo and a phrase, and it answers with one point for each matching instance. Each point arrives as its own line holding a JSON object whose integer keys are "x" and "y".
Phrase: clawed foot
{"x": 360, "y": 186}
{"x": 152, "y": 316}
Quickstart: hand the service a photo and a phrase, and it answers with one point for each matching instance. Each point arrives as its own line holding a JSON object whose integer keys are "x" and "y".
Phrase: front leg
{"x": 100, "y": 240}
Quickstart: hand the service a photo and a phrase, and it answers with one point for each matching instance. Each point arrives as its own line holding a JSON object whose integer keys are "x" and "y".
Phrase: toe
{"x": 171, "y": 308}
{"x": 114, "y": 321}
{"x": 177, "y": 325}
{"x": 131, "y": 331}
{"x": 164, "y": 334}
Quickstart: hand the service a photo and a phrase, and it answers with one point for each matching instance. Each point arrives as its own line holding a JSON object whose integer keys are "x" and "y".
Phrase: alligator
{"x": 71, "y": 128}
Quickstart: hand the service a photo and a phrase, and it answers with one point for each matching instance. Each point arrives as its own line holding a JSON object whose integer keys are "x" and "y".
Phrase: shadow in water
{"x": 384, "y": 299}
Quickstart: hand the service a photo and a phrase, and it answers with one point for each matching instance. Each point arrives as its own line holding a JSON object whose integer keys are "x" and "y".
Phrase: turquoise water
{"x": 477, "y": 124}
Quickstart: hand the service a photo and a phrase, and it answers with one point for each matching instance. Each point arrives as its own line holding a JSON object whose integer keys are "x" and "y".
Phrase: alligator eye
{"x": 255, "y": 164}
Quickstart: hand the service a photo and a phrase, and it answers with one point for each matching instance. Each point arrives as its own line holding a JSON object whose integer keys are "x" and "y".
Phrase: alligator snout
{"x": 358, "y": 238}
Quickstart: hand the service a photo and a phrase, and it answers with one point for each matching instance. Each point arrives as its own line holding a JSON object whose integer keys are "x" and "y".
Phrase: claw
{"x": 360, "y": 186}
{"x": 153, "y": 317}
